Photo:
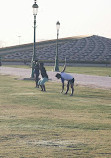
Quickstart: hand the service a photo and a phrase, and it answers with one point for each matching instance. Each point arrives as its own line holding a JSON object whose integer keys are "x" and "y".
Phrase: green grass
{"x": 50, "y": 124}
{"x": 99, "y": 71}
{"x": 19, "y": 66}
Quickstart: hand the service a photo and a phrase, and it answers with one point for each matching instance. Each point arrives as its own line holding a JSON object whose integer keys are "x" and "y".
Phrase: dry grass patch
{"x": 37, "y": 124}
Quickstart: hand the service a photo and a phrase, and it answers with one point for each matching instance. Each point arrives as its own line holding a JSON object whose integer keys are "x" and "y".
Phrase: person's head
{"x": 35, "y": 60}
{"x": 37, "y": 65}
{"x": 58, "y": 76}
{"x": 41, "y": 64}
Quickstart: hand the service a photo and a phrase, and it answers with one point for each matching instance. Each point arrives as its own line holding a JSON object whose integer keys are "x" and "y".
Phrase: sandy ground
{"x": 80, "y": 79}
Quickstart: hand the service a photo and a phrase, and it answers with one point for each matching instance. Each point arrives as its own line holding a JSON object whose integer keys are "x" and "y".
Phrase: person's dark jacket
{"x": 43, "y": 73}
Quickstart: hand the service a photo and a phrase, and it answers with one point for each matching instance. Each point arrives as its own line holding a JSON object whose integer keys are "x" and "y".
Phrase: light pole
{"x": 19, "y": 39}
{"x": 35, "y": 11}
{"x": 56, "y": 68}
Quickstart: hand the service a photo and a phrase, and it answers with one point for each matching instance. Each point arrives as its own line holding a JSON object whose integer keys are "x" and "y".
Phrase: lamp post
{"x": 35, "y": 11}
{"x": 19, "y": 39}
{"x": 56, "y": 57}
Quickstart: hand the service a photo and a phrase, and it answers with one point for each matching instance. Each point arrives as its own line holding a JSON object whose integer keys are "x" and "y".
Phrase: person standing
{"x": 36, "y": 74}
{"x": 44, "y": 76}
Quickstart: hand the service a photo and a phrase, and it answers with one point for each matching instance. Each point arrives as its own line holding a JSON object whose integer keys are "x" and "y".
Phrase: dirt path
{"x": 86, "y": 80}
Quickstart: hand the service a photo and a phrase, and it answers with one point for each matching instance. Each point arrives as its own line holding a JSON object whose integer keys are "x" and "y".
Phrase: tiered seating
{"x": 87, "y": 49}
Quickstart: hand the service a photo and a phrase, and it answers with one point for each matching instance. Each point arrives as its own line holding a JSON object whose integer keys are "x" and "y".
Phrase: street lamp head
{"x": 35, "y": 8}
{"x": 58, "y": 25}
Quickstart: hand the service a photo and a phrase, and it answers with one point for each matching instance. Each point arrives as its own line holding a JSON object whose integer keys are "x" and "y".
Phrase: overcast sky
{"x": 76, "y": 17}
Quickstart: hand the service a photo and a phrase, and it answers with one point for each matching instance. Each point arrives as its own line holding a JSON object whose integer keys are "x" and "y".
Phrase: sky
{"x": 76, "y": 17}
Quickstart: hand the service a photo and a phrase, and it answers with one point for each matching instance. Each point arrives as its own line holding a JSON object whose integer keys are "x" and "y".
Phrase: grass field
{"x": 35, "y": 124}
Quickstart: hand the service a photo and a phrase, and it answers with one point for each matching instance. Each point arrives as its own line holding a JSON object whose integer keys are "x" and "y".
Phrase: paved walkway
{"x": 86, "y": 80}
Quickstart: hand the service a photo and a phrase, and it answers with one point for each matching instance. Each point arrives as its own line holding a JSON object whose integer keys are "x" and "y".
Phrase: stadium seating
{"x": 85, "y": 49}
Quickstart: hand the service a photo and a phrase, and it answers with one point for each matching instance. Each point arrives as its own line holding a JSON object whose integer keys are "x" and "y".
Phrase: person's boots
{"x": 44, "y": 88}
{"x": 41, "y": 87}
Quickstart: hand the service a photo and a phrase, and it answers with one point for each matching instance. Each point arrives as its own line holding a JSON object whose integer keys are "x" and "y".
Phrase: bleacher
{"x": 84, "y": 49}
